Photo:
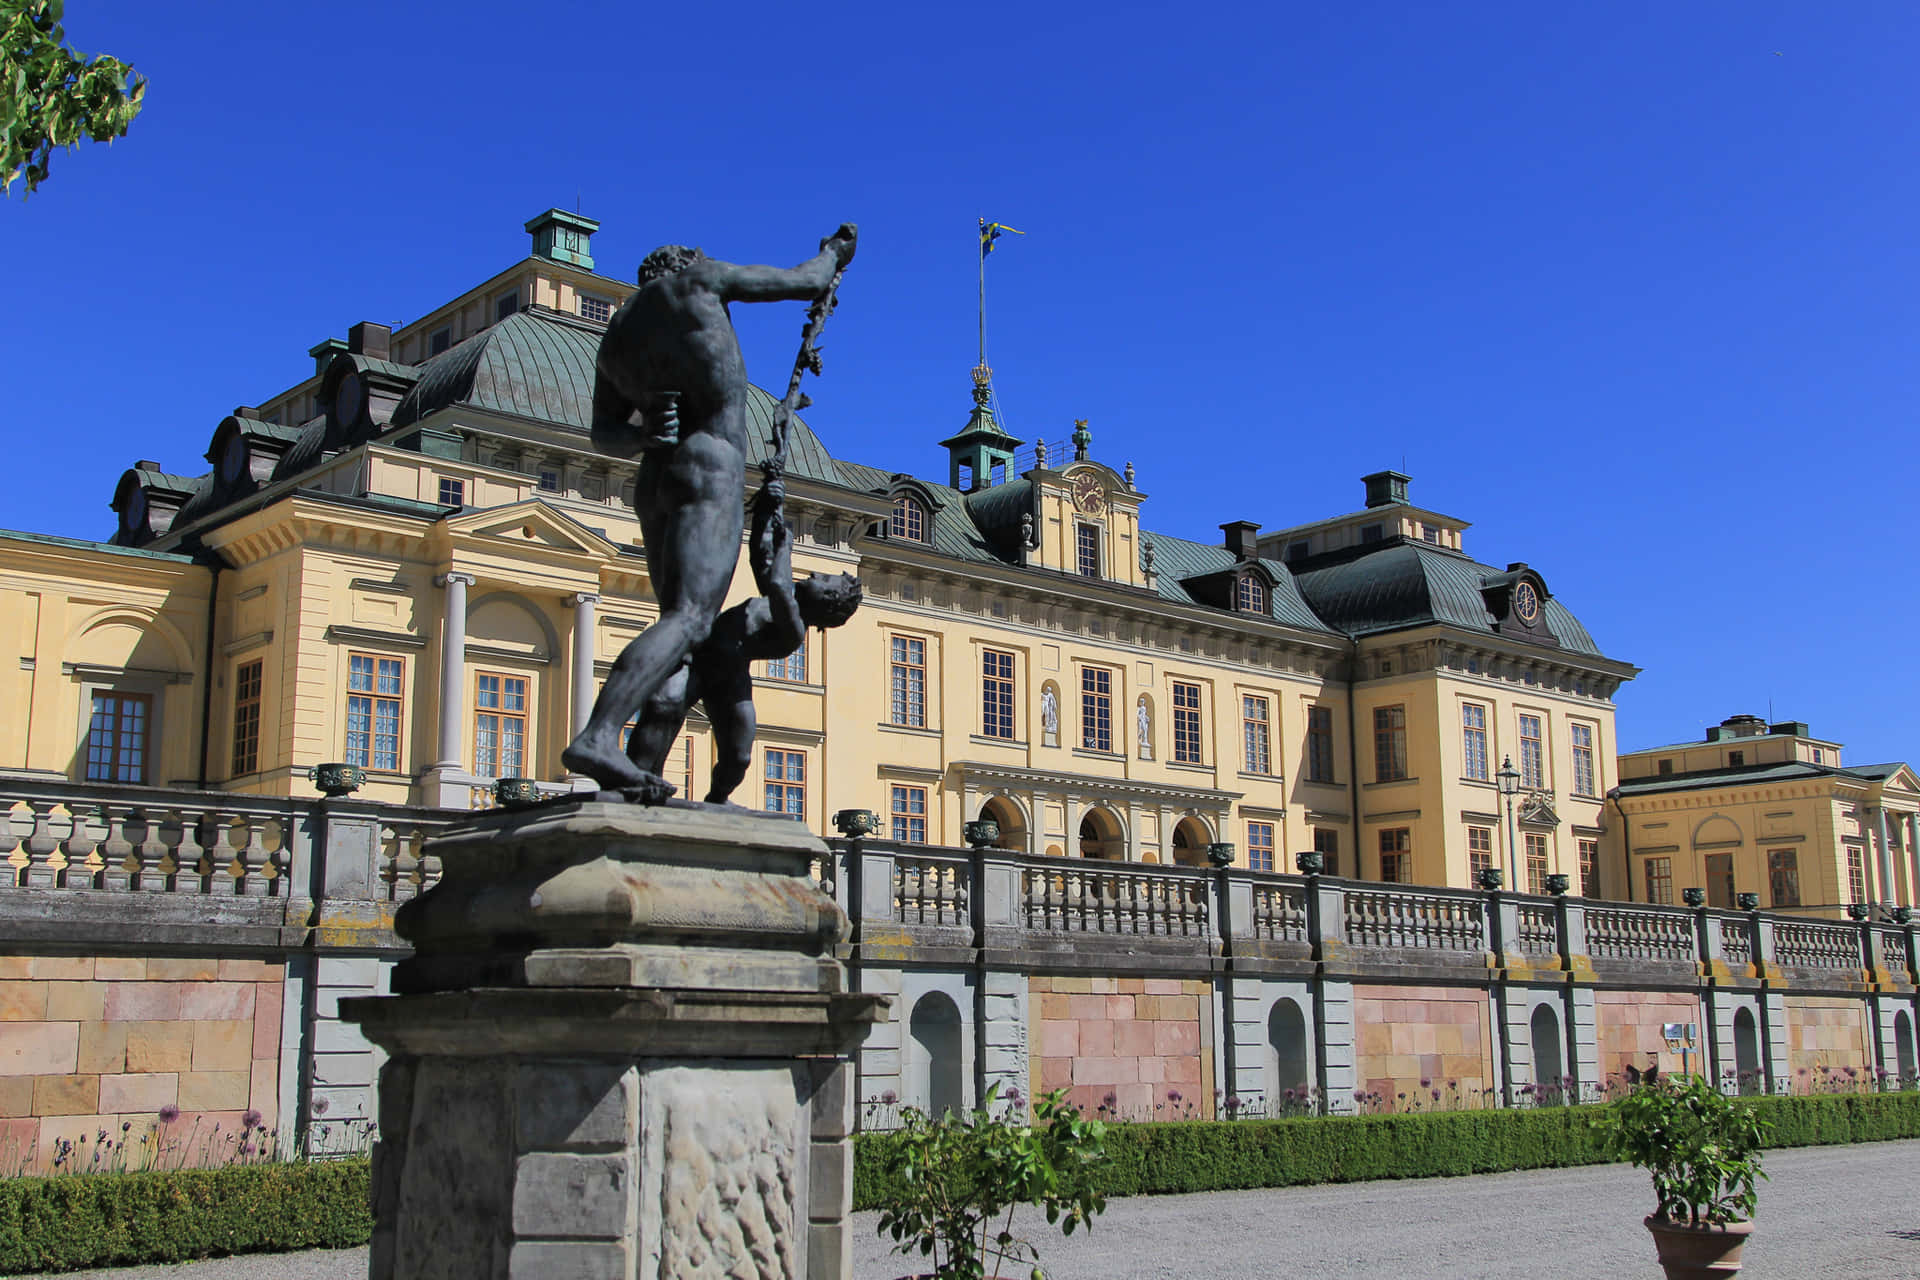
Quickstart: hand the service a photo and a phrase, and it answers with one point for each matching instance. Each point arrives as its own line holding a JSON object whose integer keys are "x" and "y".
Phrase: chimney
{"x": 1737, "y": 727}
{"x": 1385, "y": 488}
{"x": 146, "y": 464}
{"x": 559, "y": 236}
{"x": 323, "y": 354}
{"x": 370, "y": 339}
{"x": 1241, "y": 537}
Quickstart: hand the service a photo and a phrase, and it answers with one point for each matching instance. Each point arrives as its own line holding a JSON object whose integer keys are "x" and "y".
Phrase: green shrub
{"x": 1218, "y": 1155}
{"x": 120, "y": 1219}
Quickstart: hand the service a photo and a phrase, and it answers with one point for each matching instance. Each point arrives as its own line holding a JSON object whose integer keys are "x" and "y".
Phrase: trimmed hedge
{"x": 1199, "y": 1155}
{"x": 119, "y": 1219}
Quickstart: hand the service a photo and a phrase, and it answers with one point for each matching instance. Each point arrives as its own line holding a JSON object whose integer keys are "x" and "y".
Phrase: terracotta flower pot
{"x": 1699, "y": 1253}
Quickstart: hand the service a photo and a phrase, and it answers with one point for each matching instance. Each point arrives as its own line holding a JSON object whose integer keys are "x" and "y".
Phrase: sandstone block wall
{"x": 1141, "y": 1040}
{"x": 1629, "y": 1028}
{"x": 1409, "y": 1034}
{"x": 91, "y": 1044}
{"x": 1823, "y": 1032}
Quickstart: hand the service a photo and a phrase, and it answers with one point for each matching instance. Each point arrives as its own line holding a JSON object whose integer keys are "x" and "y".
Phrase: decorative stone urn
{"x": 516, "y": 793}
{"x": 1694, "y": 896}
{"x": 337, "y": 779}
{"x": 1747, "y": 901}
{"x": 1220, "y": 853}
{"x": 1558, "y": 882}
{"x": 1311, "y": 862}
{"x": 983, "y": 834}
{"x": 1698, "y": 1253}
{"x": 621, "y": 1050}
{"x": 1491, "y": 878}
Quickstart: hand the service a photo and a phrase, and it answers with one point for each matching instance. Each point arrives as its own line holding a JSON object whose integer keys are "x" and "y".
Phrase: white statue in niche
{"x": 1143, "y": 724}
{"x": 1049, "y": 711}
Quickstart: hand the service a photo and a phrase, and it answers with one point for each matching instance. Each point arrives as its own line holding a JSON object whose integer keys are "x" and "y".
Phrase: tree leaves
{"x": 52, "y": 96}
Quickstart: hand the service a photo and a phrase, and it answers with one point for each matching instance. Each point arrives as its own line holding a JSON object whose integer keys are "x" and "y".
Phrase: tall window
{"x": 793, "y": 667}
{"x": 1856, "y": 875}
{"x": 1086, "y": 541}
{"x": 909, "y": 520}
{"x": 1479, "y": 852}
{"x": 1255, "y": 737}
{"x": 680, "y": 766}
{"x": 1589, "y": 868}
{"x": 1533, "y": 757}
{"x": 1659, "y": 875}
{"x": 1186, "y": 722}
{"x": 246, "y": 718}
{"x": 1319, "y": 744}
{"x": 117, "y": 737}
{"x": 1250, "y": 595}
{"x": 786, "y": 778}
{"x": 1396, "y": 855}
{"x": 1583, "y": 779}
{"x": 1389, "y": 744}
{"x": 1536, "y": 862}
{"x": 499, "y": 725}
{"x": 440, "y": 340}
{"x": 453, "y": 493}
{"x": 1096, "y": 708}
{"x": 996, "y": 694}
{"x": 373, "y": 710}
{"x": 1473, "y": 741}
{"x": 910, "y": 815}
{"x": 1783, "y": 877}
{"x": 1260, "y": 846}
{"x": 505, "y": 305}
{"x": 1326, "y": 843}
{"x": 909, "y": 682}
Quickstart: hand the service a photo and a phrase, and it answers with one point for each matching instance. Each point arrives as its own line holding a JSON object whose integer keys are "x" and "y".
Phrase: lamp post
{"x": 1510, "y": 787}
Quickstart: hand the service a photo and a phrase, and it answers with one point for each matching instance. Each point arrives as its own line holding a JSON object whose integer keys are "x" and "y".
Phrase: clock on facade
{"x": 1089, "y": 495}
{"x": 1526, "y": 603}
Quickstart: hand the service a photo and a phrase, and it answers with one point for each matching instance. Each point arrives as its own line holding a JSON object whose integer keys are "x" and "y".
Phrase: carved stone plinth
{"x": 622, "y": 1052}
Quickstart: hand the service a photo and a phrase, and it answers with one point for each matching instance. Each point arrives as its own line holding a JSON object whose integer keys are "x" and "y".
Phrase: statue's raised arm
{"x": 741, "y": 283}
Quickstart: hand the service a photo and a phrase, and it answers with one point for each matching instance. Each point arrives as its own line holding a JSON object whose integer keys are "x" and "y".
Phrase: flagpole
{"x": 983, "y": 298}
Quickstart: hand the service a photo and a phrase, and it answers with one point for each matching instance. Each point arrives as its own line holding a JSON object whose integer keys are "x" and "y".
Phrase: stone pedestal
{"x": 622, "y": 1051}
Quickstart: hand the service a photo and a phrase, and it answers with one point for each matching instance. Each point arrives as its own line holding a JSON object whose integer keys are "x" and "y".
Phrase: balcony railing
{"x": 1808, "y": 945}
{"x": 1062, "y": 895}
{"x": 1640, "y": 933}
{"x": 1416, "y": 919}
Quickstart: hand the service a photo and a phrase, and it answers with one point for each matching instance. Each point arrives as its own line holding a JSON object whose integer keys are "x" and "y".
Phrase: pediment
{"x": 528, "y": 524}
{"x": 1537, "y": 811}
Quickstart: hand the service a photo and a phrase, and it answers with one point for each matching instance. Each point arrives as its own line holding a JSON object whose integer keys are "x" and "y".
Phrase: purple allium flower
{"x": 1233, "y": 1102}
{"x": 1111, "y": 1100}
{"x": 1436, "y": 1095}
{"x": 889, "y": 1098}
{"x": 1289, "y": 1095}
{"x": 320, "y": 1106}
{"x": 1359, "y": 1095}
{"x": 1425, "y": 1083}
{"x": 169, "y": 1113}
{"x": 1173, "y": 1095}
{"x": 251, "y": 1119}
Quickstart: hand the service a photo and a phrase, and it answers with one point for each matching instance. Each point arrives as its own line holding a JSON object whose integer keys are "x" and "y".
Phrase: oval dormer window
{"x": 909, "y": 519}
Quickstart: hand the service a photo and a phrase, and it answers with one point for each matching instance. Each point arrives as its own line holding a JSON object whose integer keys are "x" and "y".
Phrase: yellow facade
{"x": 1769, "y": 810}
{"x": 1097, "y": 688}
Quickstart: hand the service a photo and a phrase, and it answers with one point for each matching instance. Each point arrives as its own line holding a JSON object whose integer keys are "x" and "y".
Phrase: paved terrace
{"x": 1828, "y": 1212}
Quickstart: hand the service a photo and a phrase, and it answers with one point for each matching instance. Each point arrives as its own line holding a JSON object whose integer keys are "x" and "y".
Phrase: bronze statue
{"x": 670, "y": 386}
{"x": 718, "y": 673}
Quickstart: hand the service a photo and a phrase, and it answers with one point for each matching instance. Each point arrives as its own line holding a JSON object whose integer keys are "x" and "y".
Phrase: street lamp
{"x": 1510, "y": 787}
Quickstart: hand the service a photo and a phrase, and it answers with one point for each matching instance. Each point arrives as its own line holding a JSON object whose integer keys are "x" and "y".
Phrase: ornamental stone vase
{"x": 1698, "y": 1253}
{"x": 337, "y": 779}
{"x": 982, "y": 834}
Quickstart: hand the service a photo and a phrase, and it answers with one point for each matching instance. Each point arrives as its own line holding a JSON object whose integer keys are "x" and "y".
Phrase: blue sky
{"x": 1630, "y": 286}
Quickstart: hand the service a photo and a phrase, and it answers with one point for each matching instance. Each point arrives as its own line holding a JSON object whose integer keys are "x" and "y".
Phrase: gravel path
{"x": 1828, "y": 1212}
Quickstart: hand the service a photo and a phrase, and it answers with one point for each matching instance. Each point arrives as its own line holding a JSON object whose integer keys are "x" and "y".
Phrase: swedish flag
{"x": 990, "y": 231}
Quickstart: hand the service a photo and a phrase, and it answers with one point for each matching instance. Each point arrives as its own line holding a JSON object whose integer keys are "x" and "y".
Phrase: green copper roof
{"x": 88, "y": 544}
{"x": 539, "y": 364}
{"x": 1175, "y": 559}
{"x": 1397, "y": 584}
{"x": 1782, "y": 771}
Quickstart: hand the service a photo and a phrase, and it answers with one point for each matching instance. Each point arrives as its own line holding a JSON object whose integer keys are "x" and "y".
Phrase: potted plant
{"x": 962, "y": 1176}
{"x": 1703, "y": 1150}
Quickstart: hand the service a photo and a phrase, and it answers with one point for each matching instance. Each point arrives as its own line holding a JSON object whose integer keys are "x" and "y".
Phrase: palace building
{"x": 412, "y": 561}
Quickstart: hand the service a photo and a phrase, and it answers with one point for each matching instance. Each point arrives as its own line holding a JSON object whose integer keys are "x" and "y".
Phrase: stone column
{"x": 574, "y": 1090}
{"x": 583, "y": 646}
{"x": 448, "y": 784}
{"x": 1913, "y": 858}
{"x": 1884, "y": 856}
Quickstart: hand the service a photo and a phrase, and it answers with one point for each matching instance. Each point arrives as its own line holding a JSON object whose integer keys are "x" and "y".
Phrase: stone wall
{"x": 1630, "y": 1025}
{"x": 91, "y": 1044}
{"x": 1826, "y": 1031}
{"x": 1140, "y": 1040}
{"x": 1411, "y": 1034}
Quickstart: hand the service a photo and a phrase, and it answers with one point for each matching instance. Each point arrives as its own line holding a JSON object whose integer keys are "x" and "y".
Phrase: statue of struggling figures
{"x": 670, "y": 386}
{"x": 719, "y": 672}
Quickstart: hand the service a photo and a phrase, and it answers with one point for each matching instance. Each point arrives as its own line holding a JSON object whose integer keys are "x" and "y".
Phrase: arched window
{"x": 1903, "y": 1049}
{"x": 909, "y": 519}
{"x": 1190, "y": 841}
{"x": 1100, "y": 836}
{"x": 1250, "y": 596}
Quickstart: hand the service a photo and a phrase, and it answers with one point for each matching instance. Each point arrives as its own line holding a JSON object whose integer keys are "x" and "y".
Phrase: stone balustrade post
{"x": 1873, "y": 952}
{"x": 1706, "y": 942}
{"x": 1572, "y": 919}
{"x": 1762, "y": 942}
{"x": 1326, "y": 919}
{"x": 1503, "y": 929}
{"x": 996, "y": 894}
{"x": 872, "y": 898}
{"x": 1233, "y": 899}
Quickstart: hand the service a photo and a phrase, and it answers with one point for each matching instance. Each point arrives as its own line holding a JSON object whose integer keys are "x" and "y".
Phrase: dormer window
{"x": 1087, "y": 549}
{"x": 1250, "y": 595}
{"x": 909, "y": 519}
